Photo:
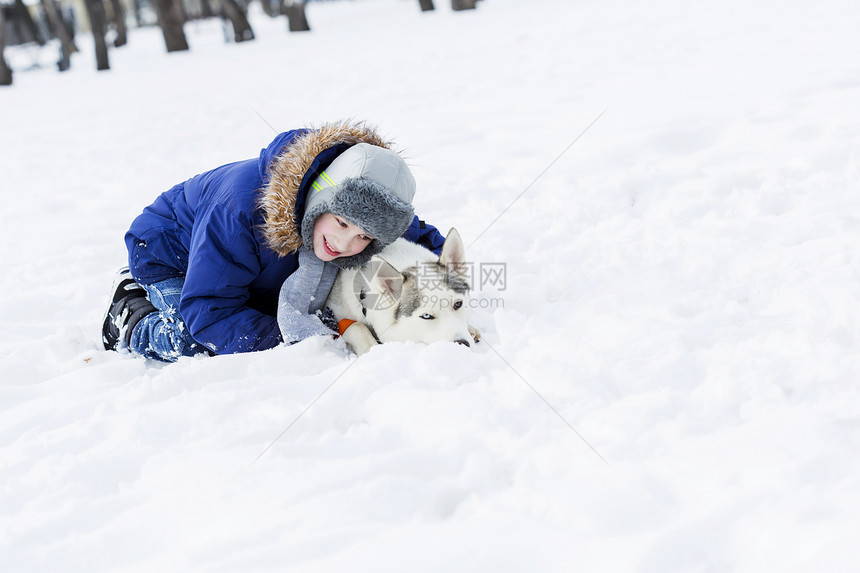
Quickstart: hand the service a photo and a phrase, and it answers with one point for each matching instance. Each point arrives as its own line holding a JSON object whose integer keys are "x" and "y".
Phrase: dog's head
{"x": 424, "y": 302}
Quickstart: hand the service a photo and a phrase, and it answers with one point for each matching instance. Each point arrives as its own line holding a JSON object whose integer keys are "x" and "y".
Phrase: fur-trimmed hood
{"x": 289, "y": 167}
{"x": 231, "y": 233}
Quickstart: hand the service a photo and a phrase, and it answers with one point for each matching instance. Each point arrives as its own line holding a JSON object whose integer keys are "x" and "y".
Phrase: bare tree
{"x": 118, "y": 18}
{"x": 426, "y": 5}
{"x": 59, "y": 30}
{"x": 137, "y": 9}
{"x": 5, "y": 70}
{"x": 268, "y": 8}
{"x": 170, "y": 20}
{"x": 242, "y": 31}
{"x": 98, "y": 24}
{"x": 22, "y": 16}
{"x": 463, "y": 4}
{"x": 206, "y": 10}
{"x": 295, "y": 11}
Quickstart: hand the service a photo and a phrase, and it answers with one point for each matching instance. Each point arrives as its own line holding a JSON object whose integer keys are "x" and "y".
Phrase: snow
{"x": 681, "y": 296}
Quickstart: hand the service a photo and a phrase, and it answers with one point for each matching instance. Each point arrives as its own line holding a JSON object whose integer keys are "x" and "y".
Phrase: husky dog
{"x": 405, "y": 293}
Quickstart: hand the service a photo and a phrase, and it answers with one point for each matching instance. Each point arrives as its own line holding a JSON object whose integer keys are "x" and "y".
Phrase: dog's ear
{"x": 454, "y": 252}
{"x": 386, "y": 280}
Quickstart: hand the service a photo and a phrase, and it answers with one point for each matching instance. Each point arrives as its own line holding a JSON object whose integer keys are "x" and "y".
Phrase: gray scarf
{"x": 302, "y": 295}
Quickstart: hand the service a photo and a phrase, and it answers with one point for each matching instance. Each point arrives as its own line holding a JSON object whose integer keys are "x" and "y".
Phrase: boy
{"x": 209, "y": 258}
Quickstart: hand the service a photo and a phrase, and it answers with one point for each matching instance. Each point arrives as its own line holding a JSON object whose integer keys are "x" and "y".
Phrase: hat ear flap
{"x": 359, "y": 259}
{"x": 308, "y": 221}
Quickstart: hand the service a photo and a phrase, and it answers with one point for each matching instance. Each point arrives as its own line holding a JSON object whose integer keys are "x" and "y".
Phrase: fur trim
{"x": 281, "y": 230}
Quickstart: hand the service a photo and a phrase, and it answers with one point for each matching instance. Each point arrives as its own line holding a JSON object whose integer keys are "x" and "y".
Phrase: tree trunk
{"x": 295, "y": 10}
{"x": 242, "y": 31}
{"x": 267, "y": 8}
{"x": 119, "y": 23}
{"x": 463, "y": 5}
{"x": 206, "y": 10}
{"x": 426, "y": 5}
{"x": 58, "y": 28}
{"x": 98, "y": 24}
{"x": 170, "y": 20}
{"x": 22, "y": 14}
{"x": 138, "y": 15}
{"x": 5, "y": 70}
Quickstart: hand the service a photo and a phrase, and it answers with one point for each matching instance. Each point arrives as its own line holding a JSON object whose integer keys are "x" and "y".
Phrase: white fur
{"x": 440, "y": 314}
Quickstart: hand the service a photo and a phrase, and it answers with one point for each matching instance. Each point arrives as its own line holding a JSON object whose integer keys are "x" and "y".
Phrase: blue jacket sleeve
{"x": 425, "y": 235}
{"x": 223, "y": 260}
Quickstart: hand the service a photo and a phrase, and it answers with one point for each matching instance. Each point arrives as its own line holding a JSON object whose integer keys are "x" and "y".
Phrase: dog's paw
{"x": 476, "y": 334}
{"x": 359, "y": 338}
{"x": 338, "y": 345}
{"x": 362, "y": 347}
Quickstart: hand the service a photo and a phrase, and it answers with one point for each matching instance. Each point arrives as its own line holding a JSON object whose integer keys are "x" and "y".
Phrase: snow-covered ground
{"x": 681, "y": 295}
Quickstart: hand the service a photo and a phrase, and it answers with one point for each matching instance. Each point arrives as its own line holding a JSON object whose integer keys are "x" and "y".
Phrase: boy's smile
{"x": 336, "y": 237}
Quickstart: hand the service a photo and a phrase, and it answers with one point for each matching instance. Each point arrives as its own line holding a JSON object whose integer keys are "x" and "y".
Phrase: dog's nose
{"x": 462, "y": 341}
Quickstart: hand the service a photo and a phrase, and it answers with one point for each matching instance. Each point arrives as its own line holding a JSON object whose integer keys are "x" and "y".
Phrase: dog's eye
{"x": 427, "y": 316}
{"x": 458, "y": 305}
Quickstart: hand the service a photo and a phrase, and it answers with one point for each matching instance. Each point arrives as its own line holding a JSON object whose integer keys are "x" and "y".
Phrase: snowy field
{"x": 681, "y": 299}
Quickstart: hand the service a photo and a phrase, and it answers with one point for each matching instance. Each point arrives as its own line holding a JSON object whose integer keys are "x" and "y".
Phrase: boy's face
{"x": 336, "y": 237}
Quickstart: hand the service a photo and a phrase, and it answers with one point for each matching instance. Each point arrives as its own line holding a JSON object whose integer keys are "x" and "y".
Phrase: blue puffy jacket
{"x": 232, "y": 233}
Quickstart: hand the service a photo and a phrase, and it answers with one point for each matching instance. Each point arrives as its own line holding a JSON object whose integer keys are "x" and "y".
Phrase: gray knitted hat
{"x": 369, "y": 186}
